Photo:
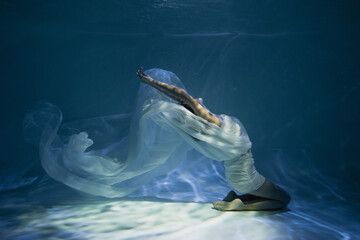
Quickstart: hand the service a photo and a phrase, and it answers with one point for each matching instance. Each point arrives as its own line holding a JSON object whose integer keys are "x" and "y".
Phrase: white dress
{"x": 128, "y": 150}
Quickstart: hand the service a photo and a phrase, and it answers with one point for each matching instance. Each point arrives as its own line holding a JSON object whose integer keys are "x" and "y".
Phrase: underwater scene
{"x": 91, "y": 151}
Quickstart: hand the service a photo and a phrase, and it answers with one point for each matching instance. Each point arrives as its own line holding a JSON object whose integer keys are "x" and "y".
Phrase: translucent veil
{"x": 112, "y": 156}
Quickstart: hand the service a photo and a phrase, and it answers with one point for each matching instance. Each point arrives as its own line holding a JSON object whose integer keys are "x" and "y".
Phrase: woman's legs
{"x": 268, "y": 197}
{"x": 271, "y": 191}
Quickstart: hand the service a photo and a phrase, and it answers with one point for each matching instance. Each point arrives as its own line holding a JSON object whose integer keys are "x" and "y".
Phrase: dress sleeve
{"x": 218, "y": 143}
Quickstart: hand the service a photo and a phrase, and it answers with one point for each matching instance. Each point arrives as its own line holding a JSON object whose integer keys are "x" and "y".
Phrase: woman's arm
{"x": 180, "y": 95}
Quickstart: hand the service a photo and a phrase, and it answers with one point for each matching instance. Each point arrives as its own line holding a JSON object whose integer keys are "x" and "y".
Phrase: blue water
{"x": 289, "y": 70}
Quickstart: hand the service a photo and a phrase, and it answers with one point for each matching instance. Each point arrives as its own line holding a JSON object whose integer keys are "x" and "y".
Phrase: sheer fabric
{"x": 112, "y": 156}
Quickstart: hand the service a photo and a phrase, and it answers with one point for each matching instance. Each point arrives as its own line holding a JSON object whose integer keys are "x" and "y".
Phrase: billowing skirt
{"x": 112, "y": 156}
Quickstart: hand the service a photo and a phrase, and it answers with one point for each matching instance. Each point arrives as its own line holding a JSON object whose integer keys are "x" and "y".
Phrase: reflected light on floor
{"x": 145, "y": 220}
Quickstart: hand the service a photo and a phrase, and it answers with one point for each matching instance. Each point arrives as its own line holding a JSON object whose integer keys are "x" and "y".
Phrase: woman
{"x": 240, "y": 171}
{"x": 126, "y": 151}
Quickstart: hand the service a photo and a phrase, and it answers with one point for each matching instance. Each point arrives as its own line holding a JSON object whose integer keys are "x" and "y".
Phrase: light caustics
{"x": 137, "y": 219}
{"x": 140, "y": 220}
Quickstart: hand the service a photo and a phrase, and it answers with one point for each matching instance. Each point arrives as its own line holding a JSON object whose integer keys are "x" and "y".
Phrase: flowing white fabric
{"x": 113, "y": 156}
